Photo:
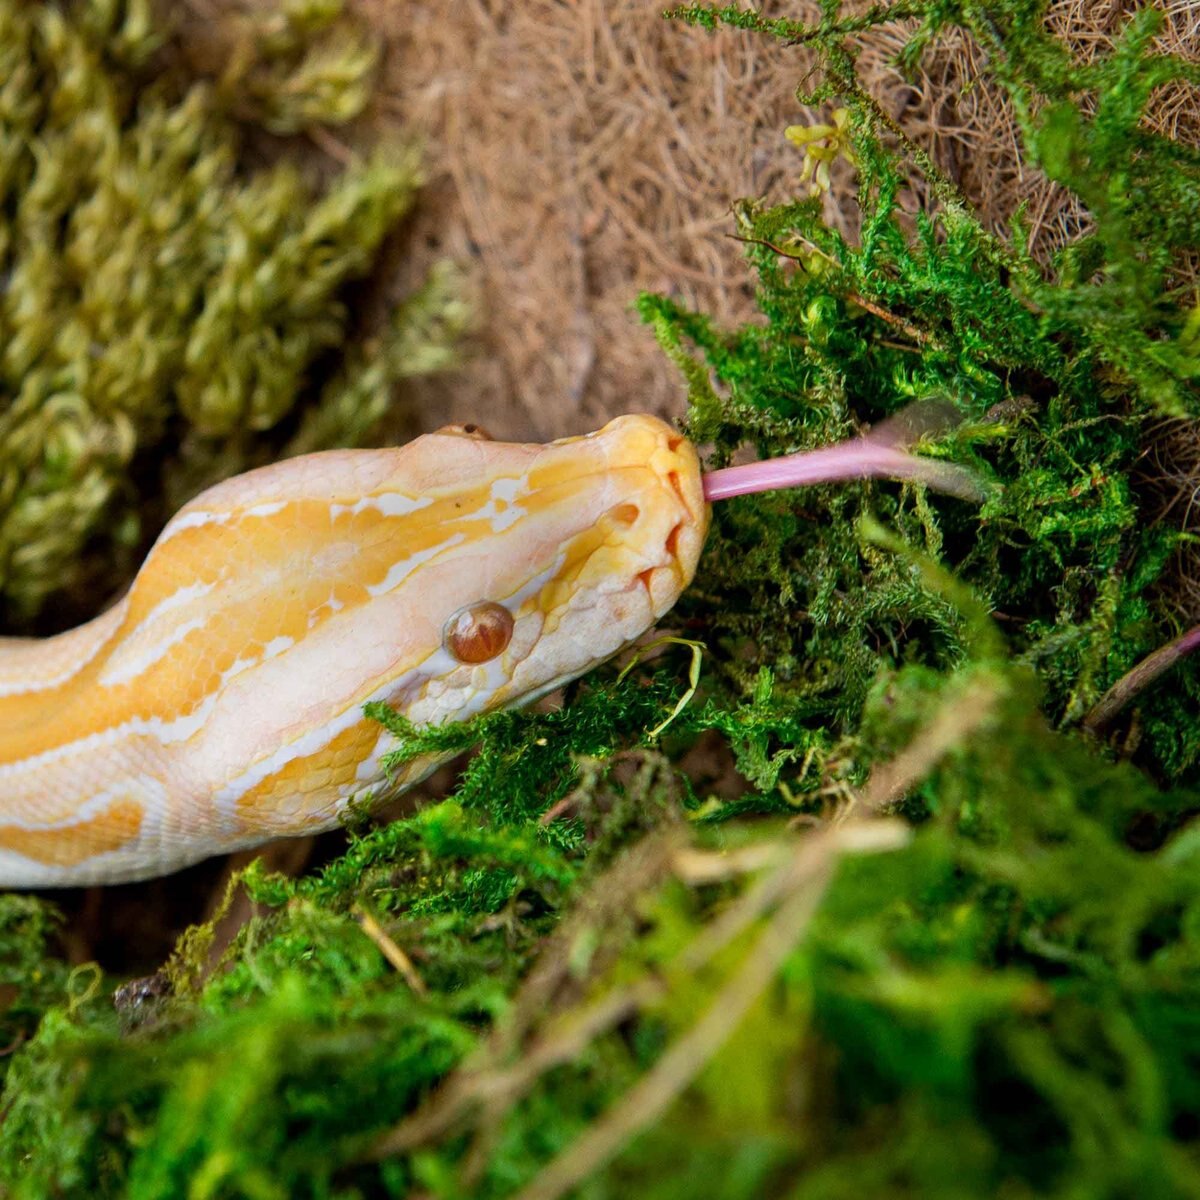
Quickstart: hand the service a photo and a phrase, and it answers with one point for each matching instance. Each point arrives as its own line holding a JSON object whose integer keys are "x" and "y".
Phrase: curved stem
{"x": 1135, "y": 681}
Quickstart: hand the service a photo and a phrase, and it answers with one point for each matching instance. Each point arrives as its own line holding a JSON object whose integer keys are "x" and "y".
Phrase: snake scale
{"x": 219, "y": 704}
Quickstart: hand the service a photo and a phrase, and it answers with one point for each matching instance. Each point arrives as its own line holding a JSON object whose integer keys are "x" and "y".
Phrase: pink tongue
{"x": 880, "y": 454}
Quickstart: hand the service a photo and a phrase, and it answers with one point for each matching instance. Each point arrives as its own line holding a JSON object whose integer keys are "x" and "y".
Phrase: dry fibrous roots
{"x": 152, "y": 294}
{"x": 1168, "y": 480}
{"x": 582, "y": 153}
{"x": 954, "y": 109}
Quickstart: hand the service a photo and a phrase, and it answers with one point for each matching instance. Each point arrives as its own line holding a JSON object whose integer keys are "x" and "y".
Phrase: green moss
{"x": 1056, "y": 373}
{"x": 614, "y": 981}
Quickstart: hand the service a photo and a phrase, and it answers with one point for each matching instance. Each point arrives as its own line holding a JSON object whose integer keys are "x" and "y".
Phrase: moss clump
{"x": 586, "y": 972}
{"x": 1057, "y": 373}
{"x": 155, "y": 296}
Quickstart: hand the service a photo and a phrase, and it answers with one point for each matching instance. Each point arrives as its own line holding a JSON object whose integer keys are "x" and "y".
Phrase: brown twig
{"x": 1135, "y": 681}
{"x": 917, "y": 335}
{"x": 464, "y": 1091}
{"x": 788, "y": 885}
{"x": 797, "y": 886}
{"x": 391, "y": 951}
{"x": 950, "y": 728}
{"x": 787, "y": 893}
{"x": 807, "y": 874}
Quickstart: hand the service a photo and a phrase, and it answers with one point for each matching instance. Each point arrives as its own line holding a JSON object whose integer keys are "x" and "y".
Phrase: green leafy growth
{"x": 636, "y": 958}
{"x": 32, "y": 976}
{"x": 1057, "y": 371}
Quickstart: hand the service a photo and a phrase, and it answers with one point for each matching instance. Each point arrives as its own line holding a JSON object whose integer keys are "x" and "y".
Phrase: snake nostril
{"x": 644, "y": 577}
{"x": 672, "y": 543}
{"x": 625, "y": 514}
{"x": 674, "y": 442}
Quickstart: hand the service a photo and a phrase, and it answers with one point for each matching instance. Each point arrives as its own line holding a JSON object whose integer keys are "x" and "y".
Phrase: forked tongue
{"x": 881, "y": 453}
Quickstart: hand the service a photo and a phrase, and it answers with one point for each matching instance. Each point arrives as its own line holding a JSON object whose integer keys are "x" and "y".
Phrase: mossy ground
{"x": 591, "y": 970}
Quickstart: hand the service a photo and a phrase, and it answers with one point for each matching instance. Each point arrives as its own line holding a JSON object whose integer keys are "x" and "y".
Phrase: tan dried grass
{"x": 582, "y": 151}
{"x": 966, "y": 122}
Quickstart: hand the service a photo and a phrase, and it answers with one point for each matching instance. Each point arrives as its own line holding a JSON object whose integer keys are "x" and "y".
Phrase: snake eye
{"x": 478, "y": 633}
{"x": 476, "y": 433}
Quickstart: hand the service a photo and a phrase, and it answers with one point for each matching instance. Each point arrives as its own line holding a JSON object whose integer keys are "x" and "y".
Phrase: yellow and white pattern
{"x": 219, "y": 704}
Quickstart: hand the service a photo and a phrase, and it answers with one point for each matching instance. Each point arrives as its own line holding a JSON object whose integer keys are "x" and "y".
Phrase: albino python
{"x": 219, "y": 704}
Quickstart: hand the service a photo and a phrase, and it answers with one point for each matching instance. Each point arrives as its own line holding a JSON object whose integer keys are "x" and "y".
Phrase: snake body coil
{"x": 220, "y": 703}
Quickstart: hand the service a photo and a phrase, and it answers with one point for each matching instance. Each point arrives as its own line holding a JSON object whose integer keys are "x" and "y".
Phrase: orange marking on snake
{"x": 110, "y": 829}
{"x": 319, "y": 559}
{"x": 281, "y": 802}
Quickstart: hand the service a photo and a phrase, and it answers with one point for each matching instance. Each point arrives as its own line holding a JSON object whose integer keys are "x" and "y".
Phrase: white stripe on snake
{"x": 220, "y": 703}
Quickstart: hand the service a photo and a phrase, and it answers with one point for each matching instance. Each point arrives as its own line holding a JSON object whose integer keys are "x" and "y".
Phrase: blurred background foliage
{"x": 165, "y": 309}
{"x": 701, "y": 959}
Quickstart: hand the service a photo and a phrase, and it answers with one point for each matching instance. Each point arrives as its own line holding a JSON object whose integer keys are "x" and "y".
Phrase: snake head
{"x": 221, "y": 701}
{"x": 569, "y": 552}
{"x": 446, "y": 577}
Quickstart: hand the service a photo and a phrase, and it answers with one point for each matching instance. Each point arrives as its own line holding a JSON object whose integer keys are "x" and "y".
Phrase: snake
{"x": 223, "y": 701}
{"x": 219, "y": 704}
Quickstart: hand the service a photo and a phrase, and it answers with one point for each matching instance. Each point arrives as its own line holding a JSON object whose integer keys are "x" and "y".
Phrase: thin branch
{"x": 464, "y": 1092}
{"x": 810, "y": 872}
{"x": 1135, "y": 681}
{"x": 392, "y": 952}
{"x": 790, "y": 890}
{"x": 917, "y": 335}
{"x": 950, "y": 728}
